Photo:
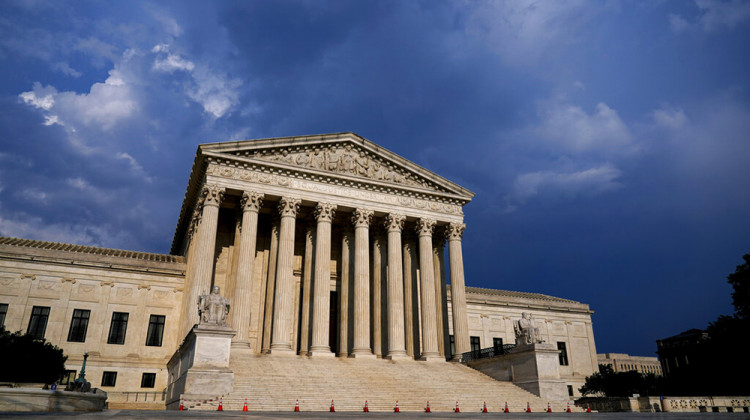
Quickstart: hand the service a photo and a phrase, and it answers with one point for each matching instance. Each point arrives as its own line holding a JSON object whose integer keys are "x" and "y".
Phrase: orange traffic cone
{"x": 296, "y": 407}
{"x": 506, "y": 408}
{"x": 588, "y": 408}
{"x": 568, "y": 410}
{"x": 182, "y": 405}
{"x": 484, "y": 407}
{"x": 457, "y": 410}
{"x": 395, "y": 409}
{"x": 333, "y": 410}
{"x": 528, "y": 407}
{"x": 427, "y": 409}
{"x": 549, "y": 409}
{"x": 221, "y": 404}
{"x": 366, "y": 409}
{"x": 244, "y": 407}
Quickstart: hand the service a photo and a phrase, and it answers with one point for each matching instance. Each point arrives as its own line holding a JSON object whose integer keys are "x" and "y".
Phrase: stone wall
{"x": 29, "y": 399}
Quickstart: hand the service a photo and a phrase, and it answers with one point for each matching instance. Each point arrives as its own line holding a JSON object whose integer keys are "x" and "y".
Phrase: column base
{"x": 241, "y": 345}
{"x": 398, "y": 356}
{"x": 362, "y": 354}
{"x": 436, "y": 357}
{"x": 320, "y": 353}
{"x": 281, "y": 351}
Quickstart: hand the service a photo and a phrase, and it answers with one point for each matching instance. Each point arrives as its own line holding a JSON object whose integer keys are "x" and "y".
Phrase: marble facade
{"x": 327, "y": 246}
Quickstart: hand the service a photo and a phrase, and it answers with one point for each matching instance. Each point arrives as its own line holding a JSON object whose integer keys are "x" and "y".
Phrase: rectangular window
{"x": 68, "y": 377}
{"x": 109, "y": 378}
{"x": 474, "y": 342}
{"x": 563, "y": 353}
{"x": 155, "y": 330}
{"x": 148, "y": 380}
{"x": 453, "y": 345}
{"x": 3, "y": 311}
{"x": 497, "y": 343}
{"x": 78, "y": 325}
{"x": 117, "y": 328}
{"x": 38, "y": 322}
{"x": 570, "y": 390}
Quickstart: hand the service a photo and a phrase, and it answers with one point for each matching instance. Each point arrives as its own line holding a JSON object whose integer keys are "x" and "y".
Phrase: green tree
{"x": 609, "y": 383}
{"x": 740, "y": 281}
{"x": 25, "y": 359}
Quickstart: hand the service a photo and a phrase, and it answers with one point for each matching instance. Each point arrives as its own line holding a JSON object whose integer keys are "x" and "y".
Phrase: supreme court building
{"x": 328, "y": 246}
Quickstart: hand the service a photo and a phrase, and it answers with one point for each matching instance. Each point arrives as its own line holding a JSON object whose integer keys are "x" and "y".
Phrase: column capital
{"x": 394, "y": 222}
{"x": 324, "y": 212}
{"x": 289, "y": 206}
{"x": 251, "y": 201}
{"x": 425, "y": 227}
{"x": 361, "y": 217}
{"x": 454, "y": 231}
{"x": 212, "y": 195}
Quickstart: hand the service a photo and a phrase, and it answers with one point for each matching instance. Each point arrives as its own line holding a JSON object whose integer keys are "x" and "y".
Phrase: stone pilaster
{"x": 273, "y": 253}
{"x": 361, "y": 220}
{"x": 454, "y": 232}
{"x": 283, "y": 313}
{"x": 307, "y": 286}
{"x": 201, "y": 262}
{"x": 427, "y": 289}
{"x": 324, "y": 213}
{"x": 344, "y": 292}
{"x": 395, "y": 285}
{"x": 250, "y": 203}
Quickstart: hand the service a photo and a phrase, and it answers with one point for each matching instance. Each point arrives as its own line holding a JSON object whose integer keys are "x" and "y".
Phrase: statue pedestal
{"x": 199, "y": 369}
{"x": 535, "y": 368}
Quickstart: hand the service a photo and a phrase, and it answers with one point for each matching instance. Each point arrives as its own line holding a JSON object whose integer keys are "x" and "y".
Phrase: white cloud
{"x": 134, "y": 166}
{"x": 589, "y": 181}
{"x": 215, "y": 92}
{"x": 713, "y": 15}
{"x": 40, "y": 97}
{"x": 575, "y": 130}
{"x": 668, "y": 117}
{"x": 171, "y": 62}
{"x": 524, "y": 31}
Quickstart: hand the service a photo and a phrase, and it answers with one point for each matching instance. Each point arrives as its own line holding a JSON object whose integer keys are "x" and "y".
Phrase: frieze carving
{"x": 251, "y": 201}
{"x": 212, "y": 195}
{"x": 324, "y": 212}
{"x": 454, "y": 231}
{"x": 394, "y": 222}
{"x": 425, "y": 227}
{"x": 343, "y": 159}
{"x": 361, "y": 217}
{"x": 28, "y": 276}
{"x": 257, "y": 176}
{"x": 68, "y": 280}
{"x": 288, "y": 206}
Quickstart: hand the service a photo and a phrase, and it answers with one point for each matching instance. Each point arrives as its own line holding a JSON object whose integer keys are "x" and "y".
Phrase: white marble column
{"x": 454, "y": 232}
{"x": 283, "y": 313}
{"x": 344, "y": 292}
{"x": 322, "y": 296}
{"x": 250, "y": 204}
{"x": 376, "y": 281}
{"x": 307, "y": 286}
{"x": 427, "y": 289}
{"x": 273, "y": 252}
{"x": 201, "y": 262}
{"x": 438, "y": 248}
{"x": 411, "y": 306}
{"x": 361, "y": 220}
{"x": 395, "y": 284}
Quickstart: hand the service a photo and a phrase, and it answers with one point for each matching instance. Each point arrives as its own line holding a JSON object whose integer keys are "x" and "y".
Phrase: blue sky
{"x": 607, "y": 141}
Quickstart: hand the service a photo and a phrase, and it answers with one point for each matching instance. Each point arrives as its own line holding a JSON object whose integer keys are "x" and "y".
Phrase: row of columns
{"x": 279, "y": 305}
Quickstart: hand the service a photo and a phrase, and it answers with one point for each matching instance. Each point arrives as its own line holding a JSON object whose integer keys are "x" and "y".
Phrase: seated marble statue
{"x": 213, "y": 308}
{"x": 526, "y": 331}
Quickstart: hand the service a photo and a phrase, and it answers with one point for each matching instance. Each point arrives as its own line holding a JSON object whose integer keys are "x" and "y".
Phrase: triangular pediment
{"x": 344, "y": 155}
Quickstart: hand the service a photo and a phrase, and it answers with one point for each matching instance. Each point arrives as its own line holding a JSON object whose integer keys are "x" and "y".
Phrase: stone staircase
{"x": 275, "y": 383}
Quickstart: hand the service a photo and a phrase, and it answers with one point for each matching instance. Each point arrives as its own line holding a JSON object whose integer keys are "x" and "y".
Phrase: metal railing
{"x": 487, "y": 352}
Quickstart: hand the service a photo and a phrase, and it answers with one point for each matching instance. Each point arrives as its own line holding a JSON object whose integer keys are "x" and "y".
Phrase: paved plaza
{"x": 144, "y": 414}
